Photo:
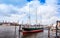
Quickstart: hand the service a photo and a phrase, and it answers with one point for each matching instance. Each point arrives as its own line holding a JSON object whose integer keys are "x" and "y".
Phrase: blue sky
{"x": 19, "y": 3}
{"x": 18, "y": 10}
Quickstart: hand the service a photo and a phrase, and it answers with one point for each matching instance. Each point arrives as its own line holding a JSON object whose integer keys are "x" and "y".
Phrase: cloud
{"x": 10, "y": 13}
{"x": 46, "y": 14}
{"x": 13, "y": 18}
{"x": 6, "y": 9}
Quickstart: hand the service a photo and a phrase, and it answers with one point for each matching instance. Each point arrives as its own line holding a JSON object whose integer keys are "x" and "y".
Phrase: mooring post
{"x": 48, "y": 32}
{"x": 56, "y": 29}
{"x": 20, "y": 31}
{"x": 15, "y": 32}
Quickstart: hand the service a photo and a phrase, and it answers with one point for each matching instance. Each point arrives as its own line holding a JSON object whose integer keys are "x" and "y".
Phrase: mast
{"x": 29, "y": 13}
{"x": 36, "y": 15}
{"x": 29, "y": 16}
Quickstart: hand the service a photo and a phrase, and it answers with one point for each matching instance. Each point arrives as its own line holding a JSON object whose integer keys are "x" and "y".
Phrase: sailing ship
{"x": 32, "y": 29}
{"x": 28, "y": 28}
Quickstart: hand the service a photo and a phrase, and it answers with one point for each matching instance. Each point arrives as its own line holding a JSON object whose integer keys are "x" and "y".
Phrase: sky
{"x": 19, "y": 10}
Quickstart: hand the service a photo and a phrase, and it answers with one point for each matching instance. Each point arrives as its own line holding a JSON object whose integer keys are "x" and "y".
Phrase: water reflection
{"x": 37, "y": 35}
{"x": 8, "y": 32}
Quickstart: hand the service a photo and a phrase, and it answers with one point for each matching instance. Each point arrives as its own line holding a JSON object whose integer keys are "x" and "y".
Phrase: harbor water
{"x": 43, "y": 34}
{"x": 9, "y": 32}
{"x": 38, "y": 35}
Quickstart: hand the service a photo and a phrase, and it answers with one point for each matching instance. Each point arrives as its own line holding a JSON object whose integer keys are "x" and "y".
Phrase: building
{"x": 58, "y": 24}
{"x": 8, "y": 24}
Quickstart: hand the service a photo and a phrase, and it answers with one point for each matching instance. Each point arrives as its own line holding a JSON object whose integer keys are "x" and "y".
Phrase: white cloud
{"x": 46, "y": 13}
{"x": 51, "y": 2}
{"x": 10, "y": 13}
{"x": 13, "y": 18}
{"x": 6, "y": 9}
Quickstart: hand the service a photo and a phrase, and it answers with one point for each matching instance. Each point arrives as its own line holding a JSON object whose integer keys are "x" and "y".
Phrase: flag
{"x": 29, "y": 0}
{"x": 42, "y": 1}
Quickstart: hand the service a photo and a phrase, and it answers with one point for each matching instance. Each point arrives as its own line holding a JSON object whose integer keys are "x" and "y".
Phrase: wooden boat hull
{"x": 30, "y": 32}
